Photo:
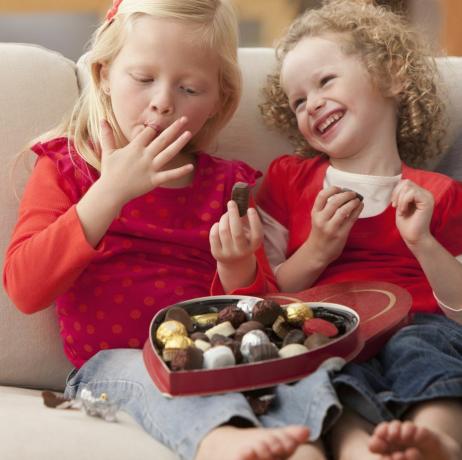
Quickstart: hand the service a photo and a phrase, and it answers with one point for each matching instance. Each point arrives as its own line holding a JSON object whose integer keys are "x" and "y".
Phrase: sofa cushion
{"x": 36, "y": 87}
{"x": 36, "y": 431}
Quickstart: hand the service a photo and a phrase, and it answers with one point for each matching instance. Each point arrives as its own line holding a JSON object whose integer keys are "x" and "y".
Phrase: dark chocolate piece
{"x": 240, "y": 194}
{"x": 188, "y": 358}
{"x": 232, "y": 314}
{"x": 181, "y": 315}
{"x": 247, "y": 327}
{"x": 294, "y": 336}
{"x": 266, "y": 312}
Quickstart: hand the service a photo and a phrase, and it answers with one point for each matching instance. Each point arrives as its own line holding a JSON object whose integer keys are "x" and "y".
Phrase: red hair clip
{"x": 113, "y": 11}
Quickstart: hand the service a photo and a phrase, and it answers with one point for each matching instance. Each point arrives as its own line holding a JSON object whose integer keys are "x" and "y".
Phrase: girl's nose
{"x": 315, "y": 104}
{"x": 162, "y": 103}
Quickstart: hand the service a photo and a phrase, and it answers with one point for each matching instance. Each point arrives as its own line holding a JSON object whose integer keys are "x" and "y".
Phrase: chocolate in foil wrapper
{"x": 297, "y": 313}
{"x": 175, "y": 343}
{"x": 205, "y": 320}
{"x": 246, "y": 305}
{"x": 252, "y": 339}
{"x": 240, "y": 194}
{"x": 168, "y": 329}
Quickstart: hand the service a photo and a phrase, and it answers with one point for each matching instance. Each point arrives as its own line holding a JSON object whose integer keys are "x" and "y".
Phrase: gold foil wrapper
{"x": 178, "y": 341}
{"x": 297, "y": 313}
{"x": 206, "y": 319}
{"x": 168, "y": 329}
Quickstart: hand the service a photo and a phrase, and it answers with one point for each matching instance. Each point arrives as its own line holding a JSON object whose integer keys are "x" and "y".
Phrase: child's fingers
{"x": 161, "y": 177}
{"x": 214, "y": 239}
{"x": 256, "y": 228}
{"x": 167, "y": 136}
{"x": 323, "y": 196}
{"x": 225, "y": 232}
{"x": 107, "y": 137}
{"x": 348, "y": 212}
{"x": 162, "y": 158}
{"x": 236, "y": 227}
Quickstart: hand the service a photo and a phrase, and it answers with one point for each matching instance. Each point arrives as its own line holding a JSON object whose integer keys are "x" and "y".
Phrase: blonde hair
{"x": 217, "y": 29}
{"x": 392, "y": 54}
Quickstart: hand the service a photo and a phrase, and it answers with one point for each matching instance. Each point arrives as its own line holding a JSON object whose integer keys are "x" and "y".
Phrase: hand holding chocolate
{"x": 247, "y": 331}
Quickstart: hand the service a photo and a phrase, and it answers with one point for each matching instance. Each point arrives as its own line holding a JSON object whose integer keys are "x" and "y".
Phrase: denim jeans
{"x": 421, "y": 362}
{"x": 181, "y": 422}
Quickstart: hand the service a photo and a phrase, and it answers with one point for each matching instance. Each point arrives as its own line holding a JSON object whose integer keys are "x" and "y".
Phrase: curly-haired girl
{"x": 356, "y": 91}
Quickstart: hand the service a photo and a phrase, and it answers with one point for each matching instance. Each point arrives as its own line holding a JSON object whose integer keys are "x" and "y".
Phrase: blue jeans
{"x": 421, "y": 362}
{"x": 182, "y": 422}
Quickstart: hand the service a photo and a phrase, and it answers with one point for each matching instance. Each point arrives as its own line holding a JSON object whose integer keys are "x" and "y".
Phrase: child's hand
{"x": 334, "y": 213}
{"x": 137, "y": 168}
{"x": 233, "y": 239}
{"x": 414, "y": 210}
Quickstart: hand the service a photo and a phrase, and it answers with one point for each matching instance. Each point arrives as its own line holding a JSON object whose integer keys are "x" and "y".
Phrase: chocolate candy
{"x": 246, "y": 305}
{"x": 280, "y": 327}
{"x": 206, "y": 320}
{"x": 292, "y": 349}
{"x": 181, "y": 315}
{"x": 200, "y": 336}
{"x": 263, "y": 352}
{"x": 320, "y": 326}
{"x": 175, "y": 343}
{"x": 189, "y": 358}
{"x": 168, "y": 329}
{"x": 252, "y": 339}
{"x": 240, "y": 194}
{"x": 315, "y": 341}
{"x": 297, "y": 313}
{"x": 233, "y": 345}
{"x": 247, "y": 327}
{"x": 225, "y": 329}
{"x": 266, "y": 312}
{"x": 294, "y": 336}
{"x": 220, "y": 356}
{"x": 233, "y": 314}
{"x": 202, "y": 344}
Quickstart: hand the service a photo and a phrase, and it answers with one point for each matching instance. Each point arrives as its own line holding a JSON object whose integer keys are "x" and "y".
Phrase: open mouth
{"x": 328, "y": 123}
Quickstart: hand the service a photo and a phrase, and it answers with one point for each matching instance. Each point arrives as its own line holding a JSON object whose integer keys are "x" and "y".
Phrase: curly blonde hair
{"x": 392, "y": 53}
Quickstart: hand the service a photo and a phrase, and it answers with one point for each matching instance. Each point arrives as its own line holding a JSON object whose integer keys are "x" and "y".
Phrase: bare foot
{"x": 231, "y": 443}
{"x": 398, "y": 440}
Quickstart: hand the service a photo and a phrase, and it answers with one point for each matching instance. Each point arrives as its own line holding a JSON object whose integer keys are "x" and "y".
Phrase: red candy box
{"x": 352, "y": 319}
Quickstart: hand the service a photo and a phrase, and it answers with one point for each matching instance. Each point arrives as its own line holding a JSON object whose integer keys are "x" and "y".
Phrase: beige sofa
{"x": 36, "y": 87}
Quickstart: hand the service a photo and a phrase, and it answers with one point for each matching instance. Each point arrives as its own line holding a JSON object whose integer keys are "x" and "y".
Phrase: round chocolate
{"x": 199, "y": 336}
{"x": 247, "y": 327}
{"x": 297, "y": 313}
{"x": 168, "y": 329}
{"x": 233, "y": 314}
{"x": 266, "y": 312}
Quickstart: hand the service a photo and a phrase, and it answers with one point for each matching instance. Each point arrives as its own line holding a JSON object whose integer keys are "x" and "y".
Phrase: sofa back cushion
{"x": 36, "y": 87}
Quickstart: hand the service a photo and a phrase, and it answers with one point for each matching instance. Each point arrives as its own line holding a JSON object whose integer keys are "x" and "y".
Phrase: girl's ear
{"x": 103, "y": 74}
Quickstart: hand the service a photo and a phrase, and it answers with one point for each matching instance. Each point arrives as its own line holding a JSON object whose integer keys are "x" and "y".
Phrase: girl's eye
{"x": 188, "y": 90}
{"x": 296, "y": 104}
{"x": 326, "y": 79}
{"x": 142, "y": 79}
